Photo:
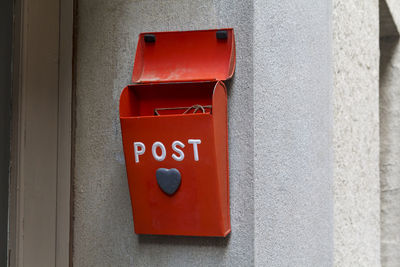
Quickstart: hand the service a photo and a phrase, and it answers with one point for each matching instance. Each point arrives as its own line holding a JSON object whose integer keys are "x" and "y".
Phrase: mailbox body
{"x": 200, "y": 206}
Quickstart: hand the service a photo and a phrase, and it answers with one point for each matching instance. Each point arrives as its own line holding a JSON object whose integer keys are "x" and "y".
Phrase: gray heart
{"x": 168, "y": 180}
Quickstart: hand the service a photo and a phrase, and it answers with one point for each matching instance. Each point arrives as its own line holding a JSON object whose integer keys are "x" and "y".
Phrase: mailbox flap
{"x": 204, "y": 55}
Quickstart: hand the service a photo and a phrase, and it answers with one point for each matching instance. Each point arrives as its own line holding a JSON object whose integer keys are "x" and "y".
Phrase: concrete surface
{"x": 280, "y": 129}
{"x": 389, "y": 132}
{"x": 394, "y": 8}
{"x": 389, "y": 104}
{"x": 293, "y": 133}
{"x": 390, "y": 151}
{"x": 356, "y": 133}
{"x": 387, "y": 25}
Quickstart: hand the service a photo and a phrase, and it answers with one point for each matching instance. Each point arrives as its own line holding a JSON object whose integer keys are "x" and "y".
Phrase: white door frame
{"x": 41, "y": 139}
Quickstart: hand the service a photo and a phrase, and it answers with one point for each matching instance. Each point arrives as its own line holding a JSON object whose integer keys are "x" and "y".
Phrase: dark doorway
{"x": 6, "y": 36}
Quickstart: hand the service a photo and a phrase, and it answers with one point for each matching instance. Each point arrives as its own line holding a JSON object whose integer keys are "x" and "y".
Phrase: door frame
{"x": 6, "y": 34}
{"x": 41, "y": 139}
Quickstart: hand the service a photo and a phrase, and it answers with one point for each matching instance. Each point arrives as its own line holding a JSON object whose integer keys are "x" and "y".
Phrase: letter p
{"x": 139, "y": 149}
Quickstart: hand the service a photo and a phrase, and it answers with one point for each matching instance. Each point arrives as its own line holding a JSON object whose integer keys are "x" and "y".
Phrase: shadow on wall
{"x": 389, "y": 112}
{"x": 184, "y": 240}
{"x": 389, "y": 37}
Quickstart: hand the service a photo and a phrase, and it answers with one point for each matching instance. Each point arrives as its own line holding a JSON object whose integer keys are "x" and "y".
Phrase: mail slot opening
{"x": 167, "y": 99}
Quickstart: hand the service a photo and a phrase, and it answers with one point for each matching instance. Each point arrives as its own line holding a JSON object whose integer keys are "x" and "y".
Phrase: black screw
{"x": 222, "y": 35}
{"x": 149, "y": 38}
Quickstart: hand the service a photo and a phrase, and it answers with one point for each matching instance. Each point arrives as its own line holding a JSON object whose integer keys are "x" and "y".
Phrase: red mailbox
{"x": 174, "y": 132}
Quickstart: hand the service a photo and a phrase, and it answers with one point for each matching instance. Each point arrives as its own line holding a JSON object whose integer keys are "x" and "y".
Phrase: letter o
{"x": 154, "y": 151}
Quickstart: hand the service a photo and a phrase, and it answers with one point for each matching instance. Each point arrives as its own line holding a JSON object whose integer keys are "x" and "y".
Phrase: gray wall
{"x": 390, "y": 151}
{"x": 356, "y": 133}
{"x": 293, "y": 133}
{"x": 280, "y": 129}
{"x": 389, "y": 104}
{"x": 6, "y": 15}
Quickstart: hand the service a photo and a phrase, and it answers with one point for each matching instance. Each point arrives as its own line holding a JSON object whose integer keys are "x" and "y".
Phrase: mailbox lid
{"x": 204, "y": 55}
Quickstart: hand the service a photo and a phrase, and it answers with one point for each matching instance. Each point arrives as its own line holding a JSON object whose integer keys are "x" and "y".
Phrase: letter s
{"x": 177, "y": 150}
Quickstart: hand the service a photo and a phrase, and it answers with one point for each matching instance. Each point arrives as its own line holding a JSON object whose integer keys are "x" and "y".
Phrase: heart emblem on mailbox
{"x": 168, "y": 180}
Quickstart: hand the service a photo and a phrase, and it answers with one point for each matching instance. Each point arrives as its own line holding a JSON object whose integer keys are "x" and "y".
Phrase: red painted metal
{"x": 200, "y": 207}
{"x": 184, "y": 56}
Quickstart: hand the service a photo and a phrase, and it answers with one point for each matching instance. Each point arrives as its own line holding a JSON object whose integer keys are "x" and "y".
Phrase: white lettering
{"x": 137, "y": 151}
{"x": 177, "y": 150}
{"x": 195, "y": 142}
{"x": 154, "y": 151}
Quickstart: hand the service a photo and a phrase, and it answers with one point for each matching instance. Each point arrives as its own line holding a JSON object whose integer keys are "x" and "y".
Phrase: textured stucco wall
{"x": 292, "y": 133}
{"x": 279, "y": 134}
{"x": 389, "y": 105}
{"x": 390, "y": 150}
{"x": 356, "y": 133}
{"x": 103, "y": 227}
{"x": 394, "y": 7}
